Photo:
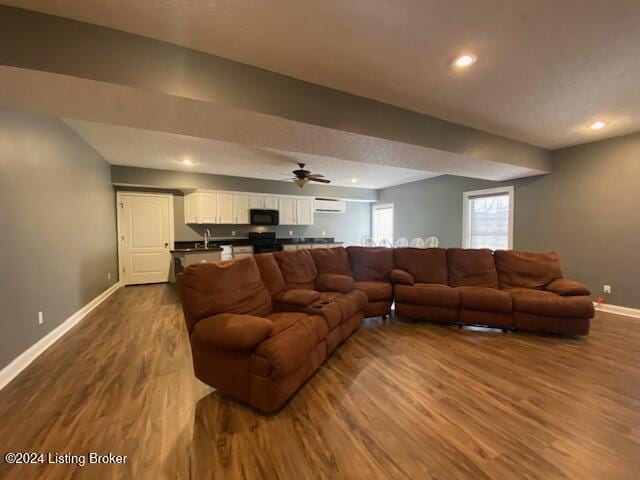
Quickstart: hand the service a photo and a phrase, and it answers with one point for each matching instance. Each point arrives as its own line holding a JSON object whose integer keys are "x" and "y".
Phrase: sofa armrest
{"x": 402, "y": 276}
{"x": 298, "y": 297}
{"x": 232, "y": 331}
{"x": 568, "y": 288}
{"x": 329, "y": 282}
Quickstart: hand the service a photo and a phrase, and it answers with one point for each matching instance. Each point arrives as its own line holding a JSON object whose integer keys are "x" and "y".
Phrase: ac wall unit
{"x": 329, "y": 205}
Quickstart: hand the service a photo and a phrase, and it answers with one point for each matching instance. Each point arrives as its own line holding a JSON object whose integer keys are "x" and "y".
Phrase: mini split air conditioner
{"x": 329, "y": 205}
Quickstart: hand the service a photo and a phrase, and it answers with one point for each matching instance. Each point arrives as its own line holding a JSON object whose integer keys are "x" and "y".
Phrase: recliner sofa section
{"x": 296, "y": 285}
{"x": 508, "y": 289}
{"x": 240, "y": 344}
{"x": 371, "y": 270}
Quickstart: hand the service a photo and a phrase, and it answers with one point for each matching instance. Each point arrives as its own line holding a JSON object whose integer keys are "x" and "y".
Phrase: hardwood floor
{"x": 397, "y": 400}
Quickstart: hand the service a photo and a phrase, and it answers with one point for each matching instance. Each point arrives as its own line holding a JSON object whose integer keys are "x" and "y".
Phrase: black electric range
{"x": 264, "y": 242}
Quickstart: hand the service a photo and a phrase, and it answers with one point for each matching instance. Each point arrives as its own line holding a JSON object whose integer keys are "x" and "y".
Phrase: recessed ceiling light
{"x": 464, "y": 61}
{"x": 354, "y": 180}
{"x": 597, "y": 125}
{"x": 187, "y": 162}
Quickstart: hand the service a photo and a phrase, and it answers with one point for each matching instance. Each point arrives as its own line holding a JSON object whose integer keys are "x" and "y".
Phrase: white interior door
{"x": 145, "y": 230}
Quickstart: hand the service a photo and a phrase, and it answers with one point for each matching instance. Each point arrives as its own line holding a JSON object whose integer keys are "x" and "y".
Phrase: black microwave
{"x": 264, "y": 217}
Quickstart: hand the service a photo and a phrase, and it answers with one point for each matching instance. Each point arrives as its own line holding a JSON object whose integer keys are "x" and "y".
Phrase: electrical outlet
{"x": 291, "y": 233}
{"x": 40, "y": 318}
{"x": 607, "y": 289}
{"x": 108, "y": 276}
{"x": 323, "y": 232}
{"x": 233, "y": 233}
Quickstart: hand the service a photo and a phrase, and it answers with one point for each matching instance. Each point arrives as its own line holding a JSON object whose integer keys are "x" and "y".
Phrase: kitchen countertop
{"x": 190, "y": 246}
{"x": 213, "y": 248}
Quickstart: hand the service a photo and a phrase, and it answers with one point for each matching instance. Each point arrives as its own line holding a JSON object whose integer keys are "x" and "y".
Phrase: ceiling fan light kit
{"x": 302, "y": 177}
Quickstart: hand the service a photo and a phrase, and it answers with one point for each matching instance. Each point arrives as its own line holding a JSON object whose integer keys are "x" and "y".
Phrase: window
{"x": 488, "y": 219}
{"x": 382, "y": 222}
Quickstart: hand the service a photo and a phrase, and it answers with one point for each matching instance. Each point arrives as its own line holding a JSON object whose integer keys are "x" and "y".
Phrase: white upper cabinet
{"x": 287, "y": 207}
{"x": 271, "y": 203}
{"x": 304, "y": 211}
{"x": 225, "y": 208}
{"x": 241, "y": 209}
{"x": 208, "y": 203}
{"x": 206, "y": 207}
{"x": 256, "y": 201}
{"x": 200, "y": 207}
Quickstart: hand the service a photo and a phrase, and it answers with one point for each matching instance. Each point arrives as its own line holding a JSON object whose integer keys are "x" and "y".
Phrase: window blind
{"x": 489, "y": 221}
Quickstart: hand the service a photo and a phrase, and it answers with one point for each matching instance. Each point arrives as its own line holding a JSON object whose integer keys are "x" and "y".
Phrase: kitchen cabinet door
{"x": 241, "y": 209}
{"x": 271, "y": 203}
{"x": 225, "y": 208}
{"x": 208, "y": 207}
{"x": 287, "y": 207}
{"x": 190, "y": 208}
{"x": 256, "y": 201}
{"x": 304, "y": 211}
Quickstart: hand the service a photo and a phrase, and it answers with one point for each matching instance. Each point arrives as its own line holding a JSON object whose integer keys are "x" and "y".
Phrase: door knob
{"x": 166, "y": 245}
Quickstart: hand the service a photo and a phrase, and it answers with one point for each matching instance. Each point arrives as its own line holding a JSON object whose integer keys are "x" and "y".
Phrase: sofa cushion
{"x": 283, "y": 320}
{"x": 375, "y": 291}
{"x": 471, "y": 268}
{"x": 331, "y": 260}
{"x": 349, "y": 303}
{"x": 288, "y": 349}
{"x": 428, "y": 294}
{"x": 425, "y": 265}
{"x": 540, "y": 302}
{"x": 370, "y": 264}
{"x": 484, "y": 298}
{"x": 326, "y": 282}
{"x": 297, "y": 296}
{"x": 520, "y": 269}
{"x": 270, "y": 272}
{"x": 298, "y": 269}
{"x": 233, "y": 286}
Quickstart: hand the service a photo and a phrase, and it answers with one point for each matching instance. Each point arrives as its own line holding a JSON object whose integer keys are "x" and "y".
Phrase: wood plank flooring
{"x": 397, "y": 400}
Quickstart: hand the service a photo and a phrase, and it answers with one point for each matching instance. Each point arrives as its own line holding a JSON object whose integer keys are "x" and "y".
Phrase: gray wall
{"x": 347, "y": 227}
{"x": 586, "y": 210}
{"x": 57, "y": 211}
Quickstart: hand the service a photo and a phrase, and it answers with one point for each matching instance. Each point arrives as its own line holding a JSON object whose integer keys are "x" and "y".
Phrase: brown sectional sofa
{"x": 260, "y": 327}
{"x": 506, "y": 289}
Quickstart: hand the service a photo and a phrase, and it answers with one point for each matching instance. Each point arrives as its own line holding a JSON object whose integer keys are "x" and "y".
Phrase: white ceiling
{"x": 546, "y": 69}
{"x": 150, "y": 149}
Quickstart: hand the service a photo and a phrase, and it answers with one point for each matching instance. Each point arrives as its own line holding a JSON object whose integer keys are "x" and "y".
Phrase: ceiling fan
{"x": 302, "y": 177}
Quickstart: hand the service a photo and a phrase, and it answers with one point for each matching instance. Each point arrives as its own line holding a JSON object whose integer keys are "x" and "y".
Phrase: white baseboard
{"x": 618, "y": 310}
{"x": 21, "y": 362}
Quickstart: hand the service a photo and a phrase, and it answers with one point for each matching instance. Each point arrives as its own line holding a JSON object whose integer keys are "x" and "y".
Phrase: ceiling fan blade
{"x": 321, "y": 180}
{"x": 315, "y": 175}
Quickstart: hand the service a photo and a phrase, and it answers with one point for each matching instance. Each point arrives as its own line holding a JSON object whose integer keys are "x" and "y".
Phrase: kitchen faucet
{"x": 207, "y": 237}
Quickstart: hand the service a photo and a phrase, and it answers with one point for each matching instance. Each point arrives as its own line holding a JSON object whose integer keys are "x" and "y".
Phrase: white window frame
{"x": 382, "y": 206}
{"x": 466, "y": 196}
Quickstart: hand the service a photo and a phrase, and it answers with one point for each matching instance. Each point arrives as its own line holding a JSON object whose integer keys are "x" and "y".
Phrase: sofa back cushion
{"x": 298, "y": 269}
{"x": 233, "y": 286}
{"x": 471, "y": 268}
{"x": 370, "y": 264}
{"x": 426, "y": 265}
{"x": 270, "y": 272}
{"x": 331, "y": 260}
{"x": 521, "y": 269}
